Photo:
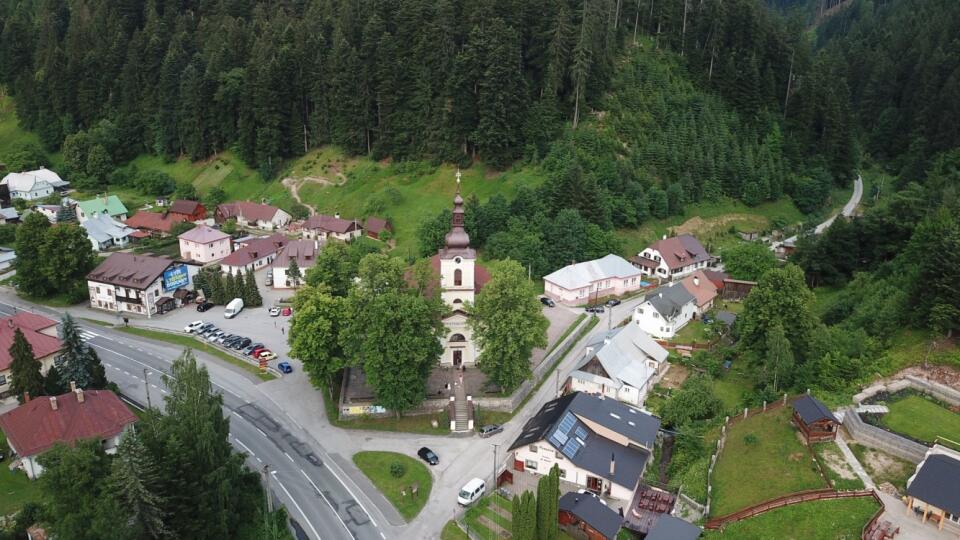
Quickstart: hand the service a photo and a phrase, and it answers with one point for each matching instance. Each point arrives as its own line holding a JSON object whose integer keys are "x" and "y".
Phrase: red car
{"x": 287, "y": 312}
{"x": 256, "y": 352}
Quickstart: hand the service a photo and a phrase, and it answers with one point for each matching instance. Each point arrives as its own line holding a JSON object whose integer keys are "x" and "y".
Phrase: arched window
{"x": 457, "y": 277}
{"x": 457, "y": 338}
{"x": 457, "y": 301}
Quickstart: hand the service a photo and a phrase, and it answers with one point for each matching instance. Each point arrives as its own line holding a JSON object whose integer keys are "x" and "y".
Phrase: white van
{"x": 235, "y": 306}
{"x": 471, "y": 491}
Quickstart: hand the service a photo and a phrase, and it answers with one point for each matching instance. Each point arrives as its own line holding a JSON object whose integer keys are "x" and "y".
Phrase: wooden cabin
{"x": 814, "y": 419}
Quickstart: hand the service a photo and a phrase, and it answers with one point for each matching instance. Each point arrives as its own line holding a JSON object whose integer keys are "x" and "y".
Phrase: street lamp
{"x": 496, "y": 517}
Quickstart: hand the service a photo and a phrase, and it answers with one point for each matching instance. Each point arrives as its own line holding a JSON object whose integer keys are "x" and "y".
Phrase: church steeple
{"x": 457, "y": 238}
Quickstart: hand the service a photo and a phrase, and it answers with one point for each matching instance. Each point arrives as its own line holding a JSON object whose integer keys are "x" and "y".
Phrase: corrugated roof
{"x": 154, "y": 221}
{"x": 184, "y": 206}
{"x": 624, "y": 355}
{"x": 255, "y": 249}
{"x": 938, "y": 483}
{"x": 330, "y": 224}
{"x": 34, "y": 426}
{"x": 103, "y": 228}
{"x": 110, "y": 205}
{"x": 376, "y": 225}
{"x": 576, "y": 276}
{"x": 250, "y": 211}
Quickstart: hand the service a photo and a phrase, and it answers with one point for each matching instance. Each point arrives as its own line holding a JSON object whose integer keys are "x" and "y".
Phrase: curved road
{"x": 846, "y": 211}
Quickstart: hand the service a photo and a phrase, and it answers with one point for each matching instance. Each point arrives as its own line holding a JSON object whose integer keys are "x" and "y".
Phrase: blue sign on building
{"x": 175, "y": 277}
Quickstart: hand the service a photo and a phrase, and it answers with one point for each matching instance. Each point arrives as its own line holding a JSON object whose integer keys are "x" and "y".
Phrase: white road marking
{"x": 262, "y": 433}
{"x": 135, "y": 377}
{"x": 259, "y": 460}
{"x": 294, "y": 501}
{"x": 116, "y": 368}
{"x": 288, "y": 457}
{"x": 127, "y": 373}
{"x": 237, "y": 415}
{"x": 330, "y": 505}
{"x": 153, "y": 385}
{"x": 164, "y": 391}
{"x": 245, "y": 447}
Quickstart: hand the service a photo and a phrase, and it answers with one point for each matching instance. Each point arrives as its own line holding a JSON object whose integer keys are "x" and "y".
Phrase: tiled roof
{"x": 255, "y": 249}
{"x": 203, "y": 234}
{"x": 376, "y": 225}
{"x": 680, "y": 251}
{"x": 184, "y": 206}
{"x": 812, "y": 409}
{"x": 129, "y": 270}
{"x": 576, "y": 276}
{"x": 669, "y": 299}
{"x": 669, "y": 527}
{"x": 330, "y": 224}
{"x": 30, "y": 324}
{"x": 250, "y": 211}
{"x": 304, "y": 251}
{"x": 700, "y": 286}
{"x": 35, "y": 426}
{"x": 154, "y": 221}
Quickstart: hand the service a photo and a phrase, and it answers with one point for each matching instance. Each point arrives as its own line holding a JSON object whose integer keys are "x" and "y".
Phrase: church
{"x": 461, "y": 278}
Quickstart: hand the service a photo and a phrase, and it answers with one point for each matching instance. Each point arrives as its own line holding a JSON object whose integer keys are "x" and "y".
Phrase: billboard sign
{"x": 175, "y": 277}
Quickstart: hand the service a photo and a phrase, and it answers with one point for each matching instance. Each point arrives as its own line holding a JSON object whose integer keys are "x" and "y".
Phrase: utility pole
{"x": 496, "y": 518}
{"x": 266, "y": 479}
{"x": 610, "y": 319}
{"x": 146, "y": 386}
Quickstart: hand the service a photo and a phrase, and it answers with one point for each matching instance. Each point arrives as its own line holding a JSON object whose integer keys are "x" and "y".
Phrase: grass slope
{"x": 838, "y": 519}
{"x": 777, "y": 464}
{"x": 15, "y": 488}
{"x": 376, "y": 465}
{"x": 922, "y": 419}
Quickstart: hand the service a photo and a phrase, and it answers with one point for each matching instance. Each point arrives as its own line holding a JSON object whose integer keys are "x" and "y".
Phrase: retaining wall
{"x": 942, "y": 392}
{"x": 881, "y": 439}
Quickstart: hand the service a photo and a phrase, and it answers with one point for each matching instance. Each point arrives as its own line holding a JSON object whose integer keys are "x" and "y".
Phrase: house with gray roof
{"x": 585, "y": 511}
{"x": 669, "y": 527}
{"x": 623, "y": 365}
{"x": 32, "y": 185}
{"x": 600, "y": 444}
{"x": 933, "y": 492}
{"x": 587, "y": 281}
{"x": 666, "y": 310}
{"x": 104, "y": 232}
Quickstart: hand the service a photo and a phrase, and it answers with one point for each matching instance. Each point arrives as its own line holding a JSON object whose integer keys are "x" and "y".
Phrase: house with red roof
{"x": 41, "y": 334}
{"x": 204, "y": 244}
{"x": 322, "y": 227}
{"x": 672, "y": 258}
{"x": 188, "y": 210}
{"x": 79, "y": 415}
{"x": 251, "y": 214}
{"x": 304, "y": 252}
{"x": 376, "y": 226}
{"x": 254, "y": 254}
{"x": 702, "y": 288}
{"x": 154, "y": 223}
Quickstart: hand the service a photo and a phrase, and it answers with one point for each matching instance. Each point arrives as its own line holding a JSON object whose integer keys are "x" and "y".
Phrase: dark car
{"x": 613, "y": 302}
{"x": 594, "y": 309}
{"x": 233, "y": 339}
{"x": 285, "y": 367}
{"x": 547, "y": 301}
{"x": 250, "y": 348}
{"x": 242, "y": 343}
{"x": 490, "y": 430}
{"x": 204, "y": 306}
{"x": 427, "y": 455}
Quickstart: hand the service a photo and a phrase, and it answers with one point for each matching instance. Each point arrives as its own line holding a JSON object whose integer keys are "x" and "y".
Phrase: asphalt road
{"x": 313, "y": 494}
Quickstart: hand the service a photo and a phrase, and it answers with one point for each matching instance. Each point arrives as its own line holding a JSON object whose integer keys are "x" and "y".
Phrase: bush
{"x": 750, "y": 439}
{"x": 397, "y": 470}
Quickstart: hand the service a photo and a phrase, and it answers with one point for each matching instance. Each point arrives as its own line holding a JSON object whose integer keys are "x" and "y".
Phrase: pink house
{"x": 583, "y": 283}
{"x": 205, "y": 244}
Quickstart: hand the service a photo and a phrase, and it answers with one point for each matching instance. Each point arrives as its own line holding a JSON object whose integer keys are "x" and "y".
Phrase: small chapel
{"x": 461, "y": 278}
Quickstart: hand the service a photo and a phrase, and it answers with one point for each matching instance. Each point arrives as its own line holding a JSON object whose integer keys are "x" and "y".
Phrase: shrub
{"x": 750, "y": 439}
{"x": 397, "y": 469}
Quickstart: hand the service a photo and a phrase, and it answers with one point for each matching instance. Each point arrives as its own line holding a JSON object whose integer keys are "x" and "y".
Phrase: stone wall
{"x": 940, "y": 391}
{"x": 881, "y": 439}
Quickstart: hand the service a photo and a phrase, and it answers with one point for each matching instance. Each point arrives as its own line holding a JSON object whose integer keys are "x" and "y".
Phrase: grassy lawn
{"x": 837, "y": 519}
{"x": 836, "y": 467}
{"x": 922, "y": 419}
{"x": 452, "y": 531}
{"x": 693, "y": 332}
{"x": 15, "y": 488}
{"x": 11, "y": 134}
{"x": 775, "y": 464}
{"x": 376, "y": 465}
{"x": 482, "y": 508}
{"x": 824, "y": 298}
{"x": 189, "y": 342}
{"x": 909, "y": 347}
{"x": 421, "y": 423}
{"x": 57, "y": 300}
{"x": 883, "y": 467}
{"x": 732, "y": 385}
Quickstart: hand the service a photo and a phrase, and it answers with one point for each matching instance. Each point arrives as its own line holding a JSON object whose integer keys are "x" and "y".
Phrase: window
{"x": 563, "y": 472}
{"x": 3, "y": 379}
{"x": 530, "y": 464}
{"x": 457, "y": 277}
{"x": 98, "y": 290}
{"x": 533, "y": 448}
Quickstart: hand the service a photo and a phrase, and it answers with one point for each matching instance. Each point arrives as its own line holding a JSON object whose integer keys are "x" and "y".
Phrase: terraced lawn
{"x": 922, "y": 419}
{"x": 769, "y": 464}
{"x": 837, "y": 519}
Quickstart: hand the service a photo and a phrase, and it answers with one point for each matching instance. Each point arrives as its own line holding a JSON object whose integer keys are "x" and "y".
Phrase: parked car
{"x": 490, "y": 430}
{"x": 223, "y": 338}
{"x": 235, "y": 306}
{"x": 613, "y": 302}
{"x": 192, "y": 327}
{"x": 204, "y": 306}
{"x": 267, "y": 354}
{"x": 427, "y": 455}
{"x": 233, "y": 339}
{"x": 203, "y": 328}
{"x": 274, "y": 311}
{"x": 471, "y": 491}
{"x": 256, "y": 351}
{"x": 269, "y": 278}
{"x": 208, "y": 330}
{"x": 547, "y": 301}
{"x": 594, "y": 309}
{"x": 248, "y": 350}
{"x": 287, "y": 311}
{"x": 285, "y": 367}
{"x": 212, "y": 336}
{"x": 242, "y": 343}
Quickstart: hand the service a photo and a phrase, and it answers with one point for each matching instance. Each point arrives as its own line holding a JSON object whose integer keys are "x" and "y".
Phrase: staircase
{"x": 462, "y": 413}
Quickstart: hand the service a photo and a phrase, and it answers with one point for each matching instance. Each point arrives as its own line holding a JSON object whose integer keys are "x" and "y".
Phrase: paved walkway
{"x": 911, "y": 527}
{"x": 854, "y": 464}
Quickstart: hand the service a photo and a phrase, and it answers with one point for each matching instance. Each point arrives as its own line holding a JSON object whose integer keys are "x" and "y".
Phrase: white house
{"x": 33, "y": 185}
{"x": 37, "y": 425}
{"x": 302, "y": 251}
{"x": 600, "y": 444}
{"x": 8, "y": 256}
{"x": 9, "y": 215}
{"x": 204, "y": 244}
{"x": 322, "y": 227}
{"x": 932, "y": 491}
{"x": 587, "y": 281}
{"x": 624, "y": 365}
{"x": 105, "y": 232}
{"x": 136, "y": 283}
{"x": 253, "y": 254}
{"x": 110, "y": 205}
{"x": 251, "y": 214}
{"x": 665, "y": 311}
{"x": 671, "y": 258}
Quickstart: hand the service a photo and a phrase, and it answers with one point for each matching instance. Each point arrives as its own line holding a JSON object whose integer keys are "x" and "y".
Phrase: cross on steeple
{"x": 459, "y": 175}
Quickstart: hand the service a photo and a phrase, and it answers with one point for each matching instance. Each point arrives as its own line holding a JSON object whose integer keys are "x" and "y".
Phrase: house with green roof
{"x": 109, "y": 205}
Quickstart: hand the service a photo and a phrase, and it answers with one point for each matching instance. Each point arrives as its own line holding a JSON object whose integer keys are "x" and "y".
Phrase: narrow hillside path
{"x": 294, "y": 185}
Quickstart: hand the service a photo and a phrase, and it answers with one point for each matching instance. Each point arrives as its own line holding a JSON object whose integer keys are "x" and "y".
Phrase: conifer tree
{"x": 134, "y": 484}
{"x": 293, "y": 273}
{"x": 229, "y": 288}
{"x": 24, "y": 369}
{"x": 76, "y": 363}
{"x": 251, "y": 295}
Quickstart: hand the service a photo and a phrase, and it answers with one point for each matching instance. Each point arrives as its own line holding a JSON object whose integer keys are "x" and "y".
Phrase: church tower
{"x": 458, "y": 286}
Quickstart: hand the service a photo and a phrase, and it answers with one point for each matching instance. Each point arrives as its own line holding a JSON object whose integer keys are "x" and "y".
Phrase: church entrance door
{"x": 457, "y": 358}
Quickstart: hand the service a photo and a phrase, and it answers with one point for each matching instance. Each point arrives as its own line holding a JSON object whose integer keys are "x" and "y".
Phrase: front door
{"x": 594, "y": 484}
{"x": 457, "y": 358}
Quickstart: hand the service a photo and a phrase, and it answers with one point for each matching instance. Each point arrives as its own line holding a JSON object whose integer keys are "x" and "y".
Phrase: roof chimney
{"x": 664, "y": 237}
{"x": 53, "y": 402}
{"x": 613, "y": 464}
{"x": 337, "y": 215}
{"x": 26, "y": 397}
{"x": 10, "y": 322}
{"x": 696, "y": 281}
{"x": 73, "y": 386}
{"x": 79, "y": 393}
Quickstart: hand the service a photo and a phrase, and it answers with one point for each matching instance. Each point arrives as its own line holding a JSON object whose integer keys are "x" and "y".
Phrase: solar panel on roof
{"x": 555, "y": 441}
{"x": 571, "y": 448}
{"x": 566, "y": 423}
{"x": 561, "y": 437}
{"x": 582, "y": 433}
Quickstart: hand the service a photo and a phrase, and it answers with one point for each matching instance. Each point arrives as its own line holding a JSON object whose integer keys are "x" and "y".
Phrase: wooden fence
{"x": 865, "y": 532}
{"x": 787, "y": 500}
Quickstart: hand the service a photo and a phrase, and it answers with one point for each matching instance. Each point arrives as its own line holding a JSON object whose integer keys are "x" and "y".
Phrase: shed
{"x": 932, "y": 492}
{"x": 585, "y": 511}
{"x": 673, "y": 528}
{"x": 814, "y": 419}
